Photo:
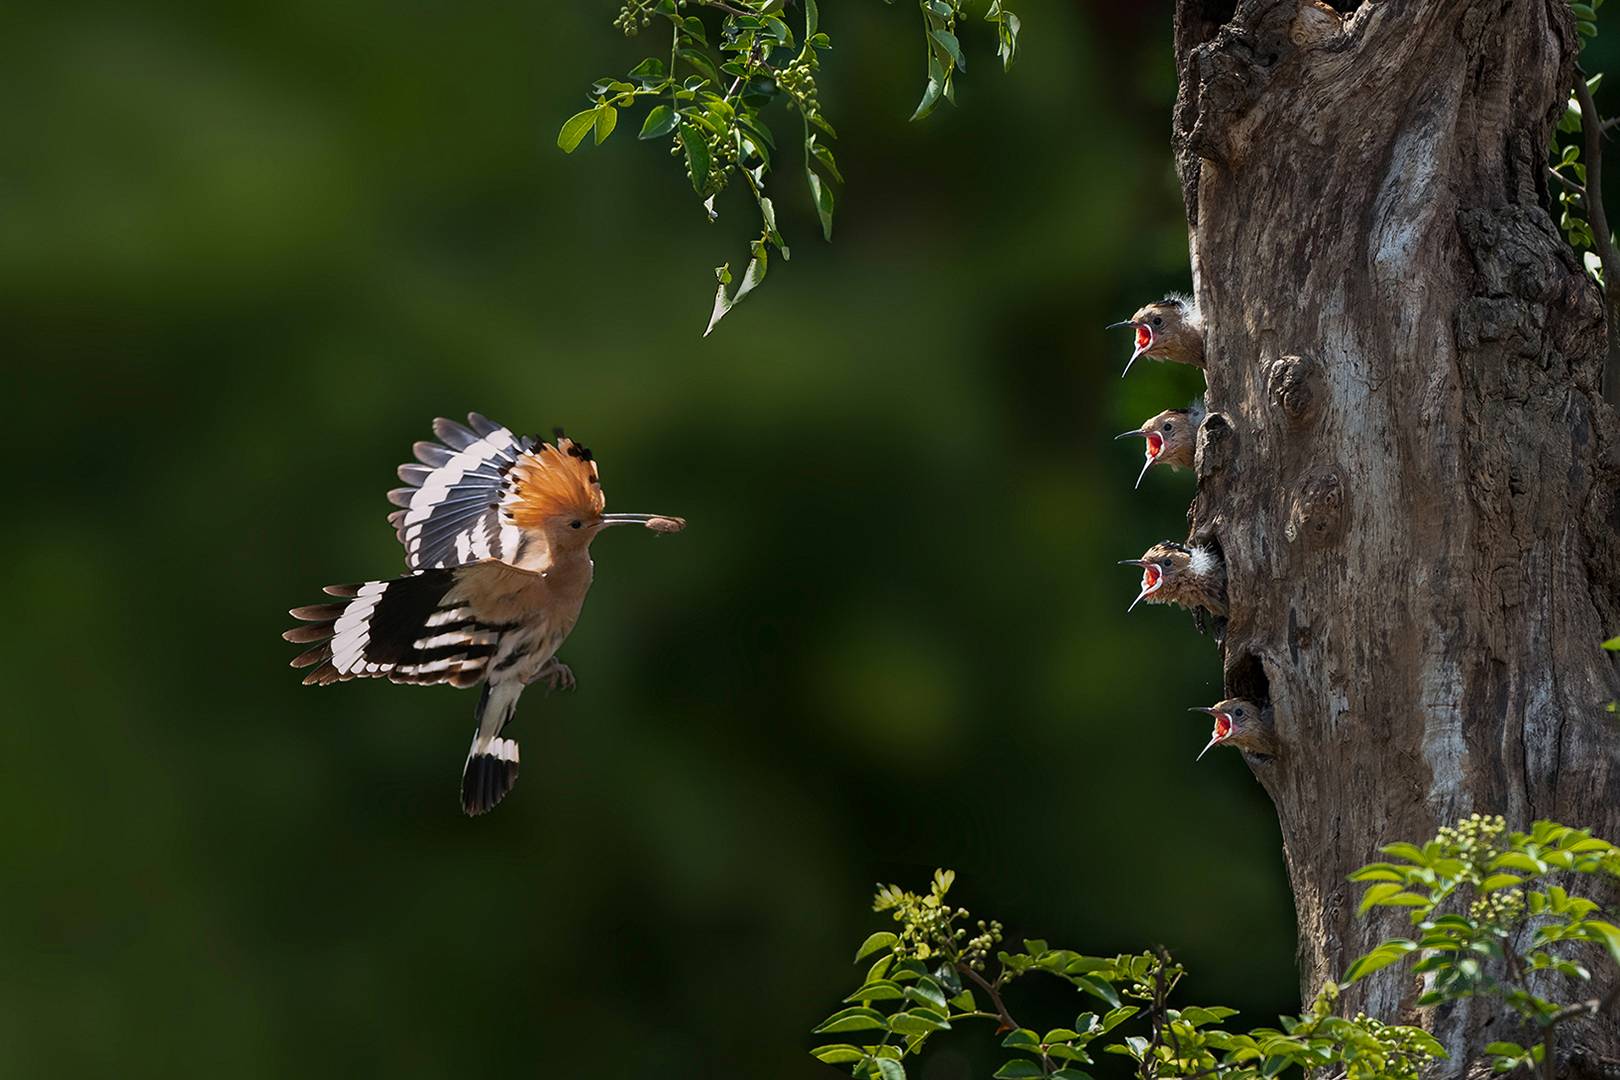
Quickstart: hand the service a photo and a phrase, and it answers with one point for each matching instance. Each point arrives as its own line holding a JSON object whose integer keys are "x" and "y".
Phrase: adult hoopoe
{"x": 497, "y": 530}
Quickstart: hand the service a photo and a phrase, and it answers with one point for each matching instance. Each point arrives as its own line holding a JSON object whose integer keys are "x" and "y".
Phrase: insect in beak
{"x": 656, "y": 522}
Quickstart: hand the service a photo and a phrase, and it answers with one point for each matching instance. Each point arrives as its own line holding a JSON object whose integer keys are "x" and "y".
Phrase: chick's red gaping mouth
{"x": 1144, "y": 336}
{"x": 1151, "y": 577}
{"x": 1223, "y": 726}
{"x": 1155, "y": 444}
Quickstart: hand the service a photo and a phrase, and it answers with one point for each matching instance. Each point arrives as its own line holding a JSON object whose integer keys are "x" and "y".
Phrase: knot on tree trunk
{"x": 1291, "y": 389}
{"x": 1216, "y": 445}
{"x": 1317, "y": 516}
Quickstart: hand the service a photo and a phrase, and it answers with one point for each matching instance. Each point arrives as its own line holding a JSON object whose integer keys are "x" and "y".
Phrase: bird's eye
{"x": 1168, "y": 427}
{"x": 1158, "y": 320}
{"x": 573, "y": 524}
{"x": 1238, "y": 711}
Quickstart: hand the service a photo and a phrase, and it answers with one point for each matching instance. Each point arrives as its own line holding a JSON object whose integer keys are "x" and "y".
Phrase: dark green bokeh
{"x": 249, "y": 254}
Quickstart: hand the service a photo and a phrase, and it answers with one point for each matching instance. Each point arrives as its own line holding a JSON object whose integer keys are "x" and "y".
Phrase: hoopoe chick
{"x": 1170, "y": 329}
{"x": 1193, "y": 577}
{"x": 497, "y": 531}
{"x": 1171, "y": 438}
{"x": 1238, "y": 723}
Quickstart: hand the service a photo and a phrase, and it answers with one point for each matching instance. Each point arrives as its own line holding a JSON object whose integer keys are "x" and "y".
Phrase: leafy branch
{"x": 1490, "y": 919}
{"x": 711, "y": 96}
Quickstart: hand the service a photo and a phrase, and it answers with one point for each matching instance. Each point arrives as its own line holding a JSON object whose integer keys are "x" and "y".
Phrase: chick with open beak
{"x": 1171, "y": 329}
{"x": 1171, "y": 437}
{"x": 1240, "y": 724}
{"x": 1192, "y": 577}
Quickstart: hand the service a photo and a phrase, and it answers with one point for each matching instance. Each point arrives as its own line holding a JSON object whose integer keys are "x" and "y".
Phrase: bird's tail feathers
{"x": 492, "y": 762}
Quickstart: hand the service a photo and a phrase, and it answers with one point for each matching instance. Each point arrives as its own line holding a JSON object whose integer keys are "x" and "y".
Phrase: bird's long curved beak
{"x": 1205, "y": 709}
{"x": 1147, "y": 590}
{"x": 1140, "y": 349}
{"x": 1138, "y": 432}
{"x": 1207, "y": 748}
{"x": 656, "y": 522}
{"x": 1146, "y": 465}
{"x": 1119, "y": 325}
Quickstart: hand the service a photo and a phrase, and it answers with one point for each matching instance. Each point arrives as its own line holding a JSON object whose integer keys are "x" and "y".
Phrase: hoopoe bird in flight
{"x": 1170, "y": 329}
{"x": 1239, "y": 724}
{"x": 1193, "y": 577}
{"x": 497, "y": 530}
{"x": 1171, "y": 438}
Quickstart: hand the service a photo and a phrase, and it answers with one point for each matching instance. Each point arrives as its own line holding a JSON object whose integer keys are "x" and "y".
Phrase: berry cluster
{"x": 1473, "y": 841}
{"x": 635, "y": 16}
{"x": 928, "y": 925}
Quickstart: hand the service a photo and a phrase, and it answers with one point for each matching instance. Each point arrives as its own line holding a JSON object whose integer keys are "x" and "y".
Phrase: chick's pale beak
{"x": 1152, "y": 579}
{"x": 1119, "y": 325}
{"x": 1136, "y": 433}
{"x": 656, "y": 522}
{"x": 1205, "y": 709}
{"x": 1213, "y": 742}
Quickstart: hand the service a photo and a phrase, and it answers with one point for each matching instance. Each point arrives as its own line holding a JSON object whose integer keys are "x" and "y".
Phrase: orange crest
{"x": 554, "y": 481}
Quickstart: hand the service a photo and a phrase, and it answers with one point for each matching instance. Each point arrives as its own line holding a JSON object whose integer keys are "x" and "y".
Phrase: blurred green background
{"x": 251, "y": 251}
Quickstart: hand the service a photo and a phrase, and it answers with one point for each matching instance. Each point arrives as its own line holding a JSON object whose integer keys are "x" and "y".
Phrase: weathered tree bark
{"x": 1409, "y": 466}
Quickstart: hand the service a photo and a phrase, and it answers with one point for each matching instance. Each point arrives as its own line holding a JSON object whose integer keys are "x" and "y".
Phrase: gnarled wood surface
{"x": 1409, "y": 465}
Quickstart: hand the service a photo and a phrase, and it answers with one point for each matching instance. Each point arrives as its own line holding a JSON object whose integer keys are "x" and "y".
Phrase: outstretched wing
{"x": 450, "y": 513}
{"x": 483, "y": 494}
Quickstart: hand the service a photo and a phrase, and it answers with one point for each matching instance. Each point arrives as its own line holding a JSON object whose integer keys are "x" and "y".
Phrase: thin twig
{"x": 1001, "y": 1014}
{"x": 1566, "y": 181}
{"x": 1592, "y": 135}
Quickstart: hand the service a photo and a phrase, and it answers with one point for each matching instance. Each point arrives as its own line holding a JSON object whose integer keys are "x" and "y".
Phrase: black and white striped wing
{"x": 409, "y": 630}
{"x": 450, "y": 513}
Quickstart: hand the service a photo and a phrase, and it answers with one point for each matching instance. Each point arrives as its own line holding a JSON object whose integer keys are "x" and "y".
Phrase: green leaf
{"x": 1499, "y": 881}
{"x": 918, "y": 1022}
{"x": 880, "y": 940}
{"x": 661, "y": 120}
{"x": 1613, "y": 644}
{"x": 839, "y": 1054}
{"x": 930, "y": 99}
{"x": 697, "y": 156}
{"x": 1381, "y": 957}
{"x": 606, "y": 118}
{"x": 952, "y": 47}
{"x": 1410, "y": 852}
{"x": 1518, "y": 860}
{"x": 890, "y": 1069}
{"x": 1118, "y": 1016}
{"x": 574, "y": 130}
{"x": 927, "y": 992}
{"x": 858, "y": 1018}
{"x": 1022, "y": 1039}
{"x": 649, "y": 70}
{"x": 881, "y": 990}
{"x": 1097, "y": 988}
{"x": 1018, "y": 1069}
{"x": 1214, "y": 1014}
{"x": 1605, "y": 933}
{"x": 1375, "y": 895}
{"x": 1071, "y": 1074}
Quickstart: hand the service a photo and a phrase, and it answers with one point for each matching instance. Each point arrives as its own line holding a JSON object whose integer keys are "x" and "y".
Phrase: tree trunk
{"x": 1408, "y": 466}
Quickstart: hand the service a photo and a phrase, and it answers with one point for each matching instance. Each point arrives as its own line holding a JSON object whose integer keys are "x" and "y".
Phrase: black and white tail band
{"x": 402, "y": 630}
